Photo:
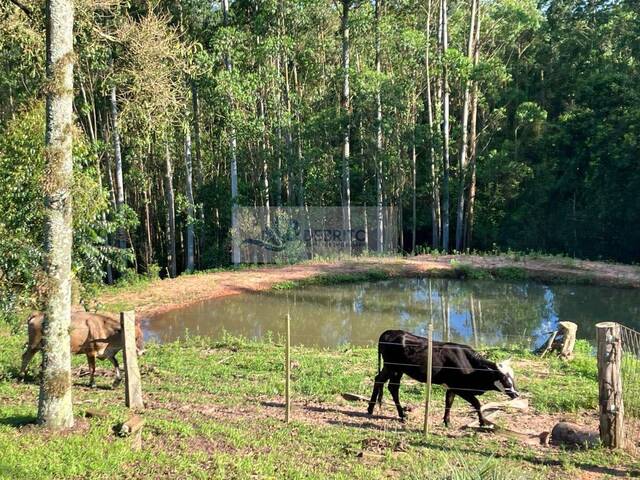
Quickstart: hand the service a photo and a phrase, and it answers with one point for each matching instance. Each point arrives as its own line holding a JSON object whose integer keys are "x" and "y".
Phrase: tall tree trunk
{"x": 435, "y": 194}
{"x": 346, "y": 112}
{"x": 195, "y": 102}
{"x": 117, "y": 155}
{"x": 378, "y": 154}
{"x": 55, "y": 409}
{"x": 107, "y": 240}
{"x": 199, "y": 171}
{"x": 288, "y": 134}
{"x": 473, "y": 148}
{"x": 265, "y": 163}
{"x": 444, "y": 45}
{"x": 147, "y": 220}
{"x": 300, "y": 153}
{"x": 190, "y": 263}
{"x": 171, "y": 212}
{"x": 465, "y": 134}
{"x": 414, "y": 174}
{"x": 235, "y": 247}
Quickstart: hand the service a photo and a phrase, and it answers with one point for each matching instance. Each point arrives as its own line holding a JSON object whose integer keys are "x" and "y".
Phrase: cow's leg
{"x": 475, "y": 403}
{"x": 394, "y": 389}
{"x": 448, "y": 402}
{"x": 91, "y": 360}
{"x": 118, "y": 379}
{"x": 26, "y": 359}
{"x": 378, "y": 388}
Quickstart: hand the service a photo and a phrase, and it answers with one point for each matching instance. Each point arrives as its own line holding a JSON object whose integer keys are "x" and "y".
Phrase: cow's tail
{"x": 381, "y": 390}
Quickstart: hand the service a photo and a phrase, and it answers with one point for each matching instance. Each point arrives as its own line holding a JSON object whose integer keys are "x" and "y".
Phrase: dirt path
{"x": 164, "y": 295}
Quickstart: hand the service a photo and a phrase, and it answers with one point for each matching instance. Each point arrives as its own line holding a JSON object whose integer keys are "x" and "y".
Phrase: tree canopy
{"x": 543, "y": 99}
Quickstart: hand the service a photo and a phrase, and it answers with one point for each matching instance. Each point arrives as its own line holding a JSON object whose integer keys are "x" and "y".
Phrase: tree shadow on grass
{"x": 350, "y": 418}
{"x": 18, "y": 421}
{"x": 549, "y": 462}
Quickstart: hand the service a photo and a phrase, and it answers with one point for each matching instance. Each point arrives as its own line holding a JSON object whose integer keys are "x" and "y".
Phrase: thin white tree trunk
{"x": 414, "y": 174}
{"x": 55, "y": 409}
{"x": 473, "y": 149}
{"x": 378, "y": 154}
{"x": 300, "y": 147}
{"x": 195, "y": 102}
{"x": 446, "y": 128}
{"x": 346, "y": 111}
{"x": 435, "y": 194}
{"x": 465, "y": 135}
{"x": 199, "y": 170}
{"x": 265, "y": 164}
{"x": 190, "y": 263}
{"x": 171, "y": 213}
{"x": 117, "y": 155}
{"x": 235, "y": 247}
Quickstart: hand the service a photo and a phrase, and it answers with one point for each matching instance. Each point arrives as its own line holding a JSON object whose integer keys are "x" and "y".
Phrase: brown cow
{"x": 93, "y": 334}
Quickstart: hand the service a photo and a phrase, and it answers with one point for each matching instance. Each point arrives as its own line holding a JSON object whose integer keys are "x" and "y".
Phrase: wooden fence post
{"x": 287, "y": 367}
{"x": 428, "y": 384}
{"x": 610, "y": 384}
{"x": 133, "y": 384}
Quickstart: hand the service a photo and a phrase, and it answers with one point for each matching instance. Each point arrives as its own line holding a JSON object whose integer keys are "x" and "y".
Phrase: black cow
{"x": 462, "y": 370}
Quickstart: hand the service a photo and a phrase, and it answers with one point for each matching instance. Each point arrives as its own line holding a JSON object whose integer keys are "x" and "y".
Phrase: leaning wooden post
{"x": 428, "y": 384}
{"x": 133, "y": 384}
{"x": 287, "y": 367}
{"x": 610, "y": 384}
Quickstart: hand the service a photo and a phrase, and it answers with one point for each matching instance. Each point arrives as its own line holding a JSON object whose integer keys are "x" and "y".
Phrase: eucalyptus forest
{"x": 487, "y": 124}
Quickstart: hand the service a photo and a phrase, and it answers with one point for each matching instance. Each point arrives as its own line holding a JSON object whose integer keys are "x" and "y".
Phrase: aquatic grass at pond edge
{"x": 334, "y": 279}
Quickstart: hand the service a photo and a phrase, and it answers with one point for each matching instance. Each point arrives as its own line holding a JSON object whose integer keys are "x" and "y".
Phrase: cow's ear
{"x": 507, "y": 362}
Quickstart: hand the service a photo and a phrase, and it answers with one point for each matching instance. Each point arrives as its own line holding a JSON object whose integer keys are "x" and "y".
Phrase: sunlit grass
{"x": 184, "y": 379}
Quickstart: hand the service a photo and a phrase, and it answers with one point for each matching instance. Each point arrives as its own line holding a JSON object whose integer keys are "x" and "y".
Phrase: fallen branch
{"x": 354, "y": 397}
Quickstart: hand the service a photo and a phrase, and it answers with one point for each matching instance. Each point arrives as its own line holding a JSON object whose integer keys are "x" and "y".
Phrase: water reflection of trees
{"x": 469, "y": 311}
{"x": 587, "y": 305}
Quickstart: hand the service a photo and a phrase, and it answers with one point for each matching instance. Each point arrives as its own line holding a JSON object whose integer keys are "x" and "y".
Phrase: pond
{"x": 470, "y": 311}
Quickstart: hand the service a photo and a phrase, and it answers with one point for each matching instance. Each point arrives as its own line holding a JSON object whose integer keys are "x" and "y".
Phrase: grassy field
{"x": 214, "y": 410}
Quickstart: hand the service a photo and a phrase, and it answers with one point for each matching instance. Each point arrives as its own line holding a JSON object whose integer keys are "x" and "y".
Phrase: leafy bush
{"x": 22, "y": 170}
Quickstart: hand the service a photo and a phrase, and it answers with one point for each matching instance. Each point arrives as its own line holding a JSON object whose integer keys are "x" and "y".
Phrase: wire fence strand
{"x": 630, "y": 371}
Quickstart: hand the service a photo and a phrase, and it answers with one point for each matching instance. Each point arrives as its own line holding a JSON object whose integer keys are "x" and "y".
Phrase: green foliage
{"x": 22, "y": 165}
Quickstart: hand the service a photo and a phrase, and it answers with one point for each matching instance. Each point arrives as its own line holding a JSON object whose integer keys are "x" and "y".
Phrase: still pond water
{"x": 486, "y": 312}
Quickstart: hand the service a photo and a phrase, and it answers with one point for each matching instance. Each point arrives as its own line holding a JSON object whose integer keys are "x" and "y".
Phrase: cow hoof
{"x": 93, "y": 385}
{"x": 116, "y": 383}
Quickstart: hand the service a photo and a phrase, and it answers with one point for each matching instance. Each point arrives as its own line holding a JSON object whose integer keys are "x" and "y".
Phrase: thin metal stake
{"x": 428, "y": 385}
{"x": 287, "y": 362}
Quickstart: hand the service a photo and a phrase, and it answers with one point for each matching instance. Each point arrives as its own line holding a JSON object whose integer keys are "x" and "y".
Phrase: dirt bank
{"x": 163, "y": 295}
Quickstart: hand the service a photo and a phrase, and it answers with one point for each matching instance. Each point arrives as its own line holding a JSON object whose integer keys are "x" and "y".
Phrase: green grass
{"x": 334, "y": 279}
{"x": 209, "y": 417}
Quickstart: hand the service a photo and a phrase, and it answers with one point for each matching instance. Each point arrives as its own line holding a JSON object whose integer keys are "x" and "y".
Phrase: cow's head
{"x": 139, "y": 338}
{"x": 506, "y": 381}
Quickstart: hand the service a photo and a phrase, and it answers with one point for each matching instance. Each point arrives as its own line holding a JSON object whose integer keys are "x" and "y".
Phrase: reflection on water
{"x": 484, "y": 312}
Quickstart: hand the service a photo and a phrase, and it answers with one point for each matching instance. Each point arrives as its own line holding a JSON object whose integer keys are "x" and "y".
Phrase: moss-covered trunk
{"x": 55, "y": 407}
